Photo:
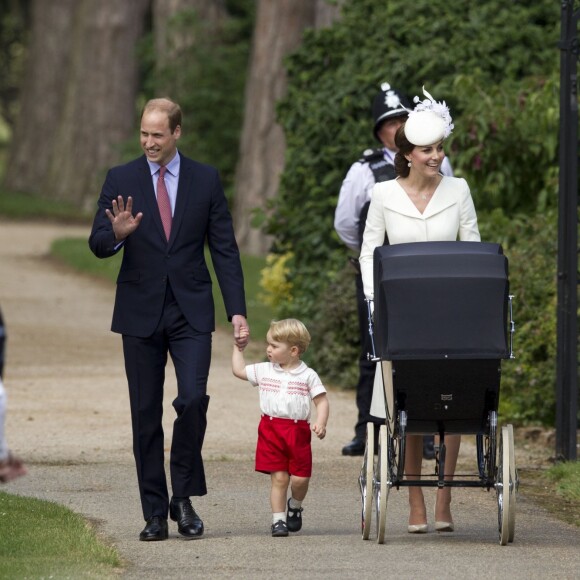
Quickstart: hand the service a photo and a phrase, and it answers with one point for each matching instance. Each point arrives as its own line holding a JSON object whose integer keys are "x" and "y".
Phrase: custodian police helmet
{"x": 387, "y": 104}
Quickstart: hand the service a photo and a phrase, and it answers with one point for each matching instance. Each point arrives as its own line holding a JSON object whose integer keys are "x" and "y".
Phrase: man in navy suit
{"x": 164, "y": 304}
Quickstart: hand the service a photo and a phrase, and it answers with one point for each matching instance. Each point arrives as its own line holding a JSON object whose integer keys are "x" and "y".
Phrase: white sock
{"x": 295, "y": 504}
{"x": 277, "y": 516}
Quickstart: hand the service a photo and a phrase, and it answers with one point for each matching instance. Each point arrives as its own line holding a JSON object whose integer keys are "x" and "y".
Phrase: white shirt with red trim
{"x": 285, "y": 394}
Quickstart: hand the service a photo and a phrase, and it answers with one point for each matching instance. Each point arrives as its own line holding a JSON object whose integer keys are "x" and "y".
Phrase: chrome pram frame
{"x": 383, "y": 469}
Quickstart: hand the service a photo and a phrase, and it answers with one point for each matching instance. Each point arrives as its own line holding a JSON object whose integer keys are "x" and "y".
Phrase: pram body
{"x": 441, "y": 327}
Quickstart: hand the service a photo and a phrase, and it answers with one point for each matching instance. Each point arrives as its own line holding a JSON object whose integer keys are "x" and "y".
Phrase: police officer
{"x": 390, "y": 108}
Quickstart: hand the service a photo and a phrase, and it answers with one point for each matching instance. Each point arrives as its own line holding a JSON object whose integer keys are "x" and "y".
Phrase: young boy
{"x": 286, "y": 387}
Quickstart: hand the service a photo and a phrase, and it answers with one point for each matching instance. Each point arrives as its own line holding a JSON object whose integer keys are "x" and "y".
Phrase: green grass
{"x": 75, "y": 253}
{"x": 556, "y": 489}
{"x": 40, "y": 539}
{"x": 22, "y": 206}
{"x": 566, "y": 477}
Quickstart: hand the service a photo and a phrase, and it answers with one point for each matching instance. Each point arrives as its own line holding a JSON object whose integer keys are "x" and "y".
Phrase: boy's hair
{"x": 290, "y": 331}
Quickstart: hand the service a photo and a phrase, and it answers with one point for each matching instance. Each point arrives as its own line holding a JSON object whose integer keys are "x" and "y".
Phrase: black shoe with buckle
{"x": 155, "y": 530}
{"x": 279, "y": 529}
{"x": 355, "y": 447}
{"x": 293, "y": 518}
{"x": 189, "y": 524}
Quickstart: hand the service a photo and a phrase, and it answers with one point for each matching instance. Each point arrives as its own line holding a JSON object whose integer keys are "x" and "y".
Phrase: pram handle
{"x": 512, "y": 325}
{"x": 371, "y": 356}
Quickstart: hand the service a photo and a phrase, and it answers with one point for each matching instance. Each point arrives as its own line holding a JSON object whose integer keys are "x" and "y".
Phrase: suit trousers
{"x": 145, "y": 362}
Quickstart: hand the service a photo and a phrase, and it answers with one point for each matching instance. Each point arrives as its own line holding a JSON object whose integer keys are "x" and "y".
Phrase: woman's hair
{"x": 167, "y": 106}
{"x": 290, "y": 331}
{"x": 404, "y": 147}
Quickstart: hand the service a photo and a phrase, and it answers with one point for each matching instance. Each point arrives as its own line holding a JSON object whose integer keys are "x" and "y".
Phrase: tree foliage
{"x": 14, "y": 23}
{"x": 206, "y": 77}
{"x": 477, "y": 57}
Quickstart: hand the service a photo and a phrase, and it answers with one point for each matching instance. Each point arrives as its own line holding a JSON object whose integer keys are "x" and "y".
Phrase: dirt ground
{"x": 69, "y": 419}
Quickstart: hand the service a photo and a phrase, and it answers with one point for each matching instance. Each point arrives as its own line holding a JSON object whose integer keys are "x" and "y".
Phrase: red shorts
{"x": 284, "y": 445}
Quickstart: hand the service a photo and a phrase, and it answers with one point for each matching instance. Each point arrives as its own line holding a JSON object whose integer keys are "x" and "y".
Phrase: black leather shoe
{"x": 189, "y": 524}
{"x": 355, "y": 447}
{"x": 428, "y": 447}
{"x": 279, "y": 529}
{"x": 293, "y": 518}
{"x": 155, "y": 530}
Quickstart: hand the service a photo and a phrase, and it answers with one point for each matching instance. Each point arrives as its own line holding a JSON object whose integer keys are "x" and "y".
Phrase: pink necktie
{"x": 163, "y": 202}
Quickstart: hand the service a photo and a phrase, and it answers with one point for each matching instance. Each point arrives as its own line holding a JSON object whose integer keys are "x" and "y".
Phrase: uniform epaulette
{"x": 382, "y": 169}
{"x": 370, "y": 155}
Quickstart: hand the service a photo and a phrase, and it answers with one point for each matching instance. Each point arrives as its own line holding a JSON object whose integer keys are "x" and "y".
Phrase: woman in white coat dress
{"x": 421, "y": 205}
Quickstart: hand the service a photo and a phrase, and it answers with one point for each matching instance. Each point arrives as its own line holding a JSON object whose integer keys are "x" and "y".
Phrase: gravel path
{"x": 69, "y": 419}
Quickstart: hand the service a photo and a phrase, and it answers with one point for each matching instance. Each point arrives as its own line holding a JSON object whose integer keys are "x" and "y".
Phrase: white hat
{"x": 429, "y": 122}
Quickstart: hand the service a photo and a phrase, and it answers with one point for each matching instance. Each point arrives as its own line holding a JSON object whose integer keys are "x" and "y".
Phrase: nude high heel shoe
{"x": 417, "y": 528}
{"x": 442, "y": 526}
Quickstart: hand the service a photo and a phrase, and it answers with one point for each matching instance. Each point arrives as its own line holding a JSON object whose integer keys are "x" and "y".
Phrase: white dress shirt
{"x": 285, "y": 394}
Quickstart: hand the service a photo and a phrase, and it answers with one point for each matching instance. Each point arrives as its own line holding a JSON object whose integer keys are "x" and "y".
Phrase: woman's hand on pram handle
{"x": 370, "y": 306}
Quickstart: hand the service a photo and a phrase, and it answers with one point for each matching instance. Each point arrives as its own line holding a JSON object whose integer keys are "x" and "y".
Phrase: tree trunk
{"x": 78, "y": 98}
{"x": 278, "y": 31}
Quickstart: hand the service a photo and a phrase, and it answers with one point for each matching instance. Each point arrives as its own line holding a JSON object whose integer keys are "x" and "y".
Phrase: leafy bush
{"x": 529, "y": 382}
{"x": 506, "y": 142}
{"x": 505, "y": 108}
{"x": 274, "y": 281}
{"x": 334, "y": 331}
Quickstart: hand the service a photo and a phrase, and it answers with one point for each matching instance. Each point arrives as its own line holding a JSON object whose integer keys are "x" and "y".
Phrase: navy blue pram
{"x": 442, "y": 324}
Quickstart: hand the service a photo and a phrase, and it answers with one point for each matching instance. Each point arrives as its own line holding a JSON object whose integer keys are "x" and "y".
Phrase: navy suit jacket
{"x": 150, "y": 262}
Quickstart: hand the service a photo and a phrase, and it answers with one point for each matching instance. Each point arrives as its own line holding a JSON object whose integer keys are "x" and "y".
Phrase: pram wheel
{"x": 365, "y": 481}
{"x": 504, "y": 487}
{"x": 514, "y": 484}
{"x": 380, "y": 485}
